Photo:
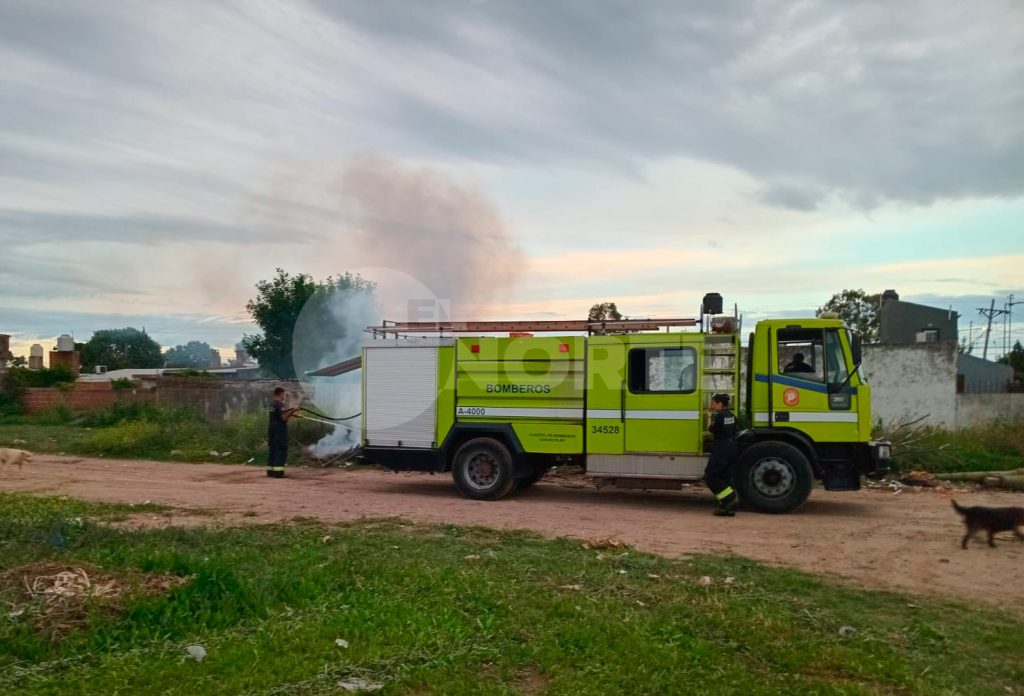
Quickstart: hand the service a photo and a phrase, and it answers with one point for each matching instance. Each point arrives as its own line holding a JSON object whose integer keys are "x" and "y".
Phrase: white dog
{"x": 14, "y": 456}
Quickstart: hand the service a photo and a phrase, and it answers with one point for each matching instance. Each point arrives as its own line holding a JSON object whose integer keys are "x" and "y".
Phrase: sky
{"x": 517, "y": 160}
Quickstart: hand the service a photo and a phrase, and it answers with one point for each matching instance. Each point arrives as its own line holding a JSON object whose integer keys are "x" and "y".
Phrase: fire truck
{"x": 626, "y": 400}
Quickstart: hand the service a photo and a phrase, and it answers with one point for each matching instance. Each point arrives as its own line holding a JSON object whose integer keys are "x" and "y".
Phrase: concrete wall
{"x": 978, "y": 409}
{"x": 217, "y": 399}
{"x": 910, "y": 381}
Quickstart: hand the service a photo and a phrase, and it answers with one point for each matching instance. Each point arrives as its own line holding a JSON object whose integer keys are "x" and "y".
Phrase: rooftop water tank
{"x": 65, "y": 344}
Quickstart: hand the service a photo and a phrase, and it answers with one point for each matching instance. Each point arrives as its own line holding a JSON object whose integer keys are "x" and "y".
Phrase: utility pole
{"x": 989, "y": 313}
{"x": 1009, "y": 317}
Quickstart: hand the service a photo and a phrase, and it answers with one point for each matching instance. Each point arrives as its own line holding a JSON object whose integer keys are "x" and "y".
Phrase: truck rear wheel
{"x": 774, "y": 477}
{"x": 482, "y": 469}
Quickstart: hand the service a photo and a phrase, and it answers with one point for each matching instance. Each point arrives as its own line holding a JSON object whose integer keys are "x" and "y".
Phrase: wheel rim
{"x": 481, "y": 470}
{"x": 773, "y": 477}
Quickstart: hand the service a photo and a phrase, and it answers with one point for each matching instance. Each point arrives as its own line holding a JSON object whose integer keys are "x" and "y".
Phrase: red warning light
{"x": 563, "y": 347}
{"x": 475, "y": 348}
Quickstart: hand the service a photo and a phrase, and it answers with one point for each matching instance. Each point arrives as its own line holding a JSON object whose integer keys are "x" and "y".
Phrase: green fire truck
{"x": 626, "y": 400}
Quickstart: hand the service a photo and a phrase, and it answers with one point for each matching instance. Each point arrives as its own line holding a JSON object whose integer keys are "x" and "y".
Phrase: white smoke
{"x": 431, "y": 246}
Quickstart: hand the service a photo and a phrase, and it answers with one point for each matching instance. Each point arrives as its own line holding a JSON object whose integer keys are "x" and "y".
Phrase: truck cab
{"x": 808, "y": 408}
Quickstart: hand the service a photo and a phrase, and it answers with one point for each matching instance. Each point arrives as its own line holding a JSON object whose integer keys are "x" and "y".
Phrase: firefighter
{"x": 722, "y": 462}
{"x": 277, "y": 434}
{"x": 797, "y": 364}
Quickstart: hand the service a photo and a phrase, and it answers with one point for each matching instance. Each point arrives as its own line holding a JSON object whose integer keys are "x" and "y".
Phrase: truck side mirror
{"x": 855, "y": 349}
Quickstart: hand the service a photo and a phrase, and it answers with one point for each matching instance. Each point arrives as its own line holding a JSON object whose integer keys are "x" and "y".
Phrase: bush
{"x": 52, "y": 377}
{"x": 123, "y": 411}
{"x": 122, "y": 384}
{"x": 58, "y": 414}
{"x": 128, "y": 439}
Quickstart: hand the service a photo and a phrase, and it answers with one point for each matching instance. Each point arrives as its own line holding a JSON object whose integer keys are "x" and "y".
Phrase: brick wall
{"x": 84, "y": 396}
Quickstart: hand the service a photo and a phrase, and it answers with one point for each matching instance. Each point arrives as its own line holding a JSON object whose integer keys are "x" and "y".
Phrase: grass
{"x": 144, "y": 431}
{"x": 450, "y": 610}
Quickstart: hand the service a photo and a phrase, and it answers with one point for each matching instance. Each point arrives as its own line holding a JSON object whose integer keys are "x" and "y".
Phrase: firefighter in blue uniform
{"x": 722, "y": 462}
{"x": 277, "y": 434}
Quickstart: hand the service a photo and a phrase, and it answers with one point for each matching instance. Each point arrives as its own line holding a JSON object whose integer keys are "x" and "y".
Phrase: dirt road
{"x": 873, "y": 538}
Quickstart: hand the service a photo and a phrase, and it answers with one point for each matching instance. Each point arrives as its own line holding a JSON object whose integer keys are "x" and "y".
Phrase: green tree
{"x": 1015, "y": 358}
{"x": 604, "y": 311}
{"x": 192, "y": 354}
{"x": 19, "y": 361}
{"x": 119, "y": 349}
{"x": 858, "y": 309}
{"x": 277, "y": 308}
{"x": 12, "y": 394}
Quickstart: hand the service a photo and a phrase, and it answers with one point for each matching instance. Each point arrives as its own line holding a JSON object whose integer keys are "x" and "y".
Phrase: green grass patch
{"x": 145, "y": 431}
{"x": 450, "y": 610}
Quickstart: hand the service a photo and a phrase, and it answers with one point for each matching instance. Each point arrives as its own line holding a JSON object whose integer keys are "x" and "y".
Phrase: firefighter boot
{"x": 728, "y": 501}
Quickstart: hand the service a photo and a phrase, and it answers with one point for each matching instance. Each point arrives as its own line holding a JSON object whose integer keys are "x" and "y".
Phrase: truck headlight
{"x": 884, "y": 452}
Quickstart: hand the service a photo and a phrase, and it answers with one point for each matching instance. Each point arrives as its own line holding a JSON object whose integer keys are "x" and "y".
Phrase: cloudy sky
{"x": 516, "y": 159}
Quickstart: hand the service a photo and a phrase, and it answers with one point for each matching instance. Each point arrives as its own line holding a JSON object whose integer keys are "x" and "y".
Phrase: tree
{"x": 277, "y": 307}
{"x": 858, "y": 309}
{"x": 604, "y": 311}
{"x": 19, "y": 361}
{"x": 1015, "y": 358}
{"x": 118, "y": 349}
{"x": 192, "y": 354}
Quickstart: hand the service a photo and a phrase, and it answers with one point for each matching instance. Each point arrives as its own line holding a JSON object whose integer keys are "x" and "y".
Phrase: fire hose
{"x": 325, "y": 419}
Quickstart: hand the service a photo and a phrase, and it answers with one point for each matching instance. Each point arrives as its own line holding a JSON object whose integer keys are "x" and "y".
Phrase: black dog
{"x": 992, "y": 520}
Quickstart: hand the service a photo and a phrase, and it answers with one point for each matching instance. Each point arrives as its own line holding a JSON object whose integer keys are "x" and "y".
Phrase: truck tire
{"x": 773, "y": 477}
{"x": 482, "y": 469}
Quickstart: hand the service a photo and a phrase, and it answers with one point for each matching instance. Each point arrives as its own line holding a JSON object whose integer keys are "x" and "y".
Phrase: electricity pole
{"x": 989, "y": 313}
{"x": 1009, "y": 317}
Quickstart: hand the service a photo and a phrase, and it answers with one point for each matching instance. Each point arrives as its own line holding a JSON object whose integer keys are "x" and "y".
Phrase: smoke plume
{"x": 435, "y": 250}
{"x": 447, "y": 235}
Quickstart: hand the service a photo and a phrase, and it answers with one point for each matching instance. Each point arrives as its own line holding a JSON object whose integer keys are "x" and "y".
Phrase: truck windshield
{"x": 837, "y": 369}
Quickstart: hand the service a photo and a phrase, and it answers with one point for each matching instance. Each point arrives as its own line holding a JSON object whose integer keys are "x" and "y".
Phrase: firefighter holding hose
{"x": 277, "y": 434}
{"x": 722, "y": 462}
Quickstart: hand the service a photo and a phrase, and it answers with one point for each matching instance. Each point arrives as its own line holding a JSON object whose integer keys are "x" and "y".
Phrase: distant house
{"x": 908, "y": 323}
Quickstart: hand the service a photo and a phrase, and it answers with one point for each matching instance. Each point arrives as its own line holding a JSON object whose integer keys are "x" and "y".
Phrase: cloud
{"x": 23, "y": 227}
{"x": 870, "y": 102}
{"x": 791, "y": 196}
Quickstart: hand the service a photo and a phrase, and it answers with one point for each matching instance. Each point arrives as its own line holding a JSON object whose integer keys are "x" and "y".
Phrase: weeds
{"x": 147, "y": 431}
{"x": 996, "y": 446}
{"x": 450, "y": 610}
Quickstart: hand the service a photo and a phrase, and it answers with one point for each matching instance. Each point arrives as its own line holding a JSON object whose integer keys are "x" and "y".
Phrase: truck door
{"x": 606, "y": 366}
{"x": 662, "y": 400}
{"x": 810, "y": 385}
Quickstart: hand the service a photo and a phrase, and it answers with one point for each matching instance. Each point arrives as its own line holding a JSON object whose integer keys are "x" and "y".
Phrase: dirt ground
{"x": 873, "y": 538}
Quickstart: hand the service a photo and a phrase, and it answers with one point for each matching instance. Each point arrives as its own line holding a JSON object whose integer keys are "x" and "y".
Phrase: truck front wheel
{"x": 482, "y": 469}
{"x": 773, "y": 477}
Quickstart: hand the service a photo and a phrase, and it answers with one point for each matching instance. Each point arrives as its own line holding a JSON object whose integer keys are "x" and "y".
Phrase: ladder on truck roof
{"x": 398, "y": 328}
